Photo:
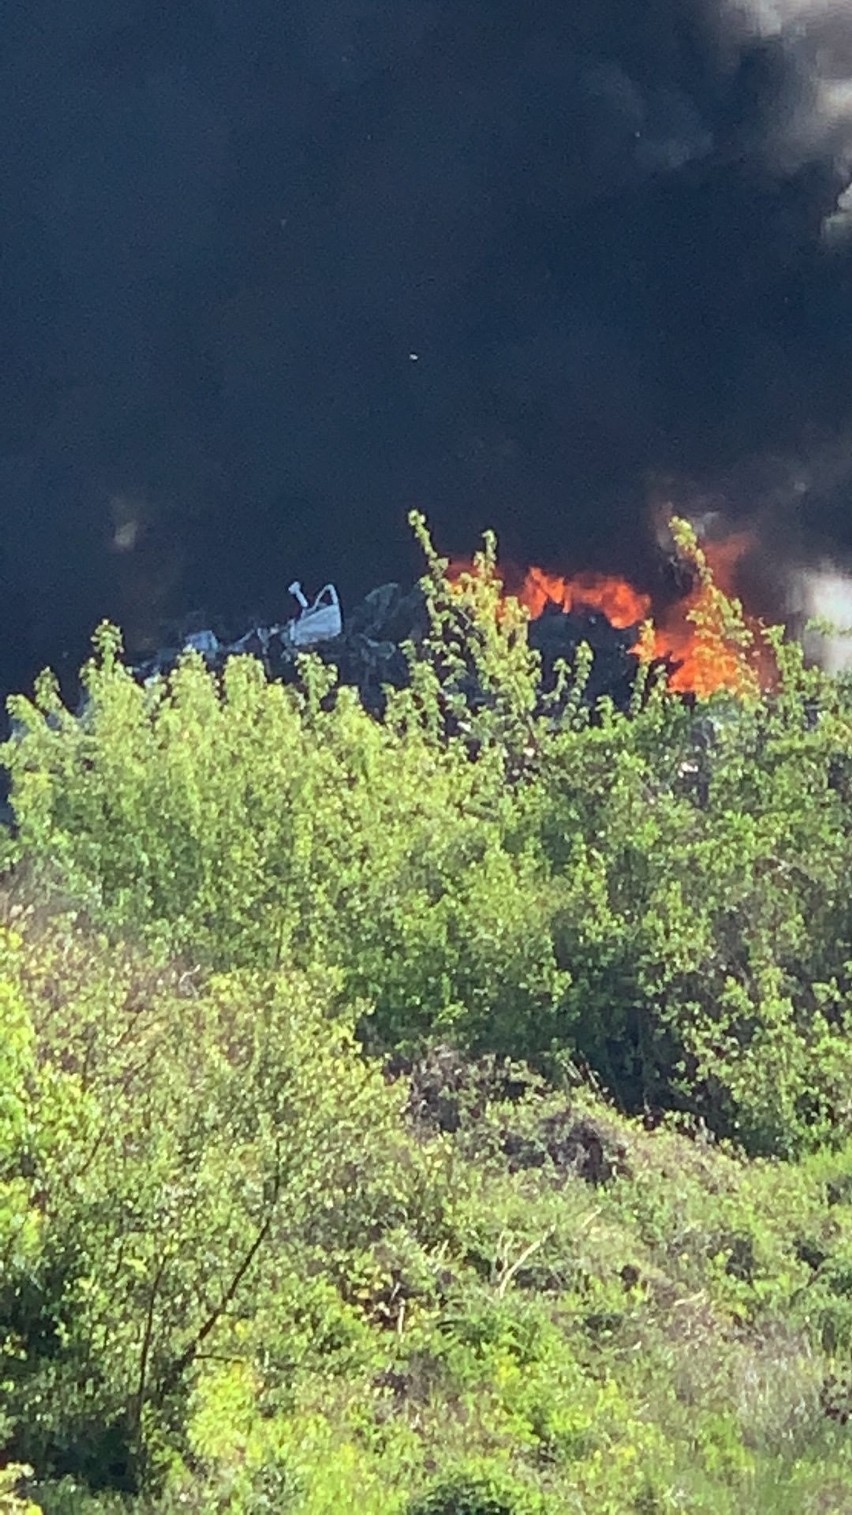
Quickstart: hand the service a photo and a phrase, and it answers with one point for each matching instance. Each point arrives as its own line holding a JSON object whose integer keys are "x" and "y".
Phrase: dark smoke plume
{"x": 271, "y": 274}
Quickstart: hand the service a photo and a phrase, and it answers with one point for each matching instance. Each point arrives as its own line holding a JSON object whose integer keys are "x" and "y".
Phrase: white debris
{"x": 320, "y": 622}
{"x": 317, "y": 622}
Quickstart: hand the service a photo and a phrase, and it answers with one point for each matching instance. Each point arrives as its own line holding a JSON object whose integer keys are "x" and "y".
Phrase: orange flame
{"x": 621, "y": 604}
{"x": 685, "y": 634}
{"x": 706, "y": 663}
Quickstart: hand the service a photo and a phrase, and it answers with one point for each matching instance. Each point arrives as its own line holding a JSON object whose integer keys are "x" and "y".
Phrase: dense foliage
{"x": 447, "y": 1113}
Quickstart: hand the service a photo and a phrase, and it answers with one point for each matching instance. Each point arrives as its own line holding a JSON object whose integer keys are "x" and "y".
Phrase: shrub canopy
{"x": 328, "y": 1049}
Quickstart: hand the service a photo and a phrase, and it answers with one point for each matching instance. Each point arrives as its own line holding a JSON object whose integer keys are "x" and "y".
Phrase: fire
{"x": 621, "y": 604}
{"x": 693, "y": 635}
{"x": 707, "y": 661}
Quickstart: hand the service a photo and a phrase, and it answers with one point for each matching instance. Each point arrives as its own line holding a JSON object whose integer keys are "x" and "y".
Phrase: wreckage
{"x": 368, "y": 650}
{"x": 317, "y": 623}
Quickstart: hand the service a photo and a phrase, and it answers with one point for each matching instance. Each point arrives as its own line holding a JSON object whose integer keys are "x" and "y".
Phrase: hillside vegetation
{"x": 443, "y": 1115}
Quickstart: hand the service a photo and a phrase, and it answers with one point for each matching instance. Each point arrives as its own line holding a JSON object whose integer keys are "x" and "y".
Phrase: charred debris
{"x": 367, "y": 647}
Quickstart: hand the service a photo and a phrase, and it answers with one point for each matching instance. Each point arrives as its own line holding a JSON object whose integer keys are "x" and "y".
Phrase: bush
{"x": 182, "y": 1135}
{"x": 476, "y": 1494}
{"x": 659, "y": 894}
{"x": 317, "y": 1034}
{"x": 254, "y": 1282}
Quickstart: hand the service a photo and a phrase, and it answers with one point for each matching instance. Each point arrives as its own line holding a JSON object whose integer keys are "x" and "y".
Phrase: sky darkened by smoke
{"x": 271, "y": 273}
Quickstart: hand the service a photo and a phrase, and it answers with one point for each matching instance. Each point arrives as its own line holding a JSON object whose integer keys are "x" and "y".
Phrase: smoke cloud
{"x": 270, "y": 275}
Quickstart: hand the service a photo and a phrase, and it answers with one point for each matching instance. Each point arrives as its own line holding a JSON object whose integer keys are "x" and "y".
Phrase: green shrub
{"x": 659, "y": 894}
{"x": 248, "y": 1262}
{"x": 203, "y": 1128}
{"x": 468, "y": 1493}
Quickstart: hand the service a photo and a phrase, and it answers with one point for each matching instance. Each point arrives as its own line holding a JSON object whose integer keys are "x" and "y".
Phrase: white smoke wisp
{"x": 814, "y": 120}
{"x": 824, "y": 593}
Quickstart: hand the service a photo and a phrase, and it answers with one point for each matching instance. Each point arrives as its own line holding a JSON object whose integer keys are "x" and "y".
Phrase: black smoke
{"x": 271, "y": 274}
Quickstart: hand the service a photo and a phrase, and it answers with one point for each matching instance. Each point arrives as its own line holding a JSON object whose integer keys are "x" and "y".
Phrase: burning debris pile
{"x": 368, "y": 647}
{"x": 693, "y": 638}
